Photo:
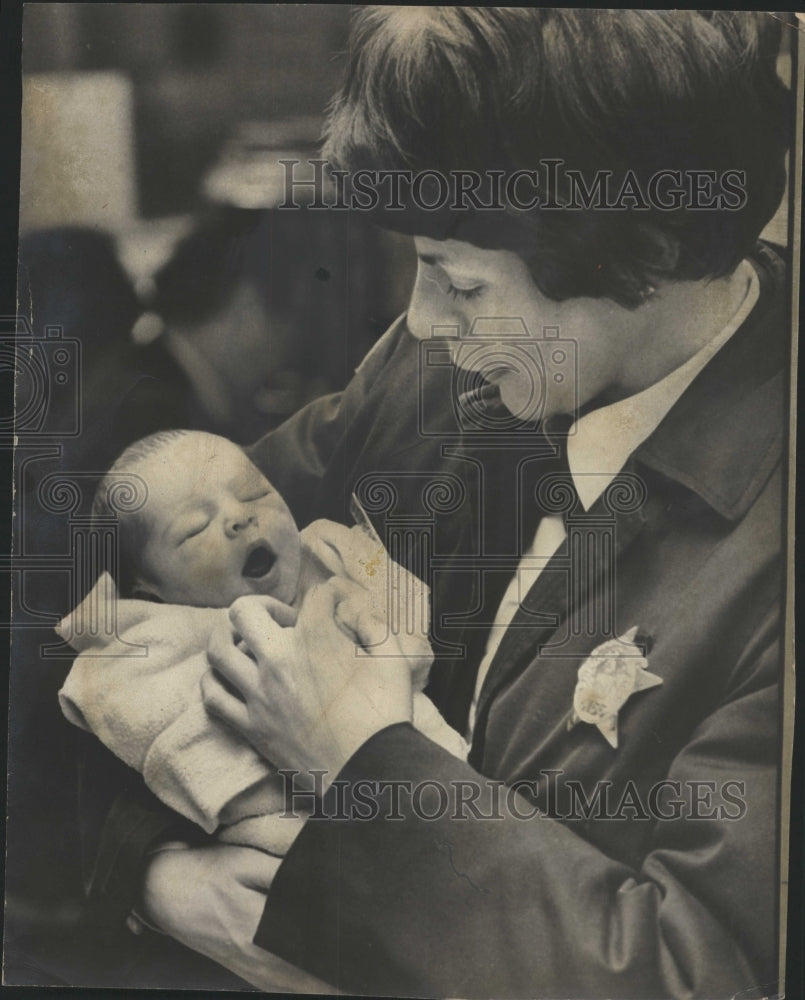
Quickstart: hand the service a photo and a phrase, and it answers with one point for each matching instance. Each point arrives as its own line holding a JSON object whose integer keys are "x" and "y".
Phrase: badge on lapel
{"x": 610, "y": 675}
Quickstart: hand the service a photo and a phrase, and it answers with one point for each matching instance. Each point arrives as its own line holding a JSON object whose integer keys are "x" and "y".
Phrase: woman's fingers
{"x": 222, "y": 704}
{"x": 230, "y": 660}
{"x": 273, "y": 833}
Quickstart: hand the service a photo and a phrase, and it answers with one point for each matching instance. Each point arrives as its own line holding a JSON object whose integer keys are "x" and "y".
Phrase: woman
{"x": 630, "y": 701}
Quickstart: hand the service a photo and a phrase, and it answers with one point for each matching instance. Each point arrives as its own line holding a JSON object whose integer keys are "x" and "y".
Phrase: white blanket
{"x": 135, "y": 685}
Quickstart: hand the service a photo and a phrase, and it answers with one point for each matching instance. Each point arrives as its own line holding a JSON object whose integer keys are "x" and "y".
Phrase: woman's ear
{"x": 661, "y": 249}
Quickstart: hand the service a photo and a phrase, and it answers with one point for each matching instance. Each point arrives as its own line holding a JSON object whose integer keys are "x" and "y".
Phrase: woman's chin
{"x": 521, "y": 400}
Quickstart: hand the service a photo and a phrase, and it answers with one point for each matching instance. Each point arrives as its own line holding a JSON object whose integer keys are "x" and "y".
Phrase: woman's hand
{"x": 211, "y": 900}
{"x": 310, "y": 695}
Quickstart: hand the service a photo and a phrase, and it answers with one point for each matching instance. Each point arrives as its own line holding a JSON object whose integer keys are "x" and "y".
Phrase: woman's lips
{"x": 259, "y": 562}
{"x": 489, "y": 367}
{"x": 497, "y": 371}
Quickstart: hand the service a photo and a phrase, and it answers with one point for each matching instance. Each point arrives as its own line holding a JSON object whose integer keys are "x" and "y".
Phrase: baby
{"x": 212, "y": 529}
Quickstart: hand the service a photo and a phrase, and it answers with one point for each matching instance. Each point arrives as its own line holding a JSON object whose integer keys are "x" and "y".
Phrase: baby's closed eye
{"x": 190, "y": 527}
{"x": 249, "y": 496}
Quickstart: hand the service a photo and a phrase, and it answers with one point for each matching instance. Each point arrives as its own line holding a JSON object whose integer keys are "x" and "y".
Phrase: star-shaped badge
{"x": 610, "y": 675}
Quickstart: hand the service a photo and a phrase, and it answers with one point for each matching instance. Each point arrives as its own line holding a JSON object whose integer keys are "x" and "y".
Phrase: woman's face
{"x": 505, "y": 328}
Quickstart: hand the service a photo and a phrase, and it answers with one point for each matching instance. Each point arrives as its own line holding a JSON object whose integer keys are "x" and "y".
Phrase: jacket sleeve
{"x": 458, "y": 905}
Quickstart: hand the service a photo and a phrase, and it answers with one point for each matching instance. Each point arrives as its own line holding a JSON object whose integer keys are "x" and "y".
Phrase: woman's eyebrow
{"x": 466, "y": 269}
{"x": 432, "y": 258}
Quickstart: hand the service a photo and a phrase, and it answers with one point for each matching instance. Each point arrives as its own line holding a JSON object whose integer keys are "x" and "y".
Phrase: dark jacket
{"x": 622, "y": 902}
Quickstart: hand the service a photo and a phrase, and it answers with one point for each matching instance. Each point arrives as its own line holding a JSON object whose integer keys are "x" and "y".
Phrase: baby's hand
{"x": 283, "y": 614}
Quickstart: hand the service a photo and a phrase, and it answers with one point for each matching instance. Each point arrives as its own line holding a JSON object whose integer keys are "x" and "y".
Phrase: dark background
{"x": 196, "y": 70}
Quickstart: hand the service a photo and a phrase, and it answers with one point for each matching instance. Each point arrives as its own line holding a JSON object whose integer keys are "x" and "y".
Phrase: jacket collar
{"x": 724, "y": 436}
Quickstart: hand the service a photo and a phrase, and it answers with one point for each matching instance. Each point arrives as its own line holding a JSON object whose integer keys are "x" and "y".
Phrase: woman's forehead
{"x": 458, "y": 253}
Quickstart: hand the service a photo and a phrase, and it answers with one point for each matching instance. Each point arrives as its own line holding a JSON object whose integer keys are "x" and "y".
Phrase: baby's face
{"x": 217, "y": 529}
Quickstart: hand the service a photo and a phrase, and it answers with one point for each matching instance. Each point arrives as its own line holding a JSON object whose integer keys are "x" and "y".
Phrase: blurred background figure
{"x": 265, "y": 310}
{"x": 163, "y": 126}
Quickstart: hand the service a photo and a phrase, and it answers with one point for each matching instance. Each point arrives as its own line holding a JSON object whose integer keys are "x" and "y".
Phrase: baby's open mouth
{"x": 259, "y": 562}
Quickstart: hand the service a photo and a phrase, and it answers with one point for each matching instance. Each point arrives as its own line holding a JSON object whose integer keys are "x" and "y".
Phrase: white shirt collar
{"x": 601, "y": 442}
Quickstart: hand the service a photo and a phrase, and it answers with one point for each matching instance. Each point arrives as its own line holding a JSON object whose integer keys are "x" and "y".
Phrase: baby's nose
{"x": 234, "y": 525}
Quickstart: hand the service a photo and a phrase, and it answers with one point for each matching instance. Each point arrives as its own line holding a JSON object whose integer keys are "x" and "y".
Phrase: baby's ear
{"x": 143, "y": 592}
{"x": 144, "y": 595}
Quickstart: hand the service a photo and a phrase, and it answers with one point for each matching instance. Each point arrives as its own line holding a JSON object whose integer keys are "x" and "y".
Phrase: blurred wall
{"x": 196, "y": 70}
{"x": 143, "y": 120}
{"x": 77, "y": 150}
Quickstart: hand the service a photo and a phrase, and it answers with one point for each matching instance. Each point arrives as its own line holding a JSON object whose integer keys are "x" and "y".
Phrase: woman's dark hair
{"x": 480, "y": 88}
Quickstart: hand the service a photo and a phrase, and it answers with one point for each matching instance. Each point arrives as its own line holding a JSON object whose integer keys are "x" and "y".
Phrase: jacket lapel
{"x": 575, "y": 589}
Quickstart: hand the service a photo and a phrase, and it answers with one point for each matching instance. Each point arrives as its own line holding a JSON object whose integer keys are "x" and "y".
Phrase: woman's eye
{"x": 463, "y": 293}
{"x": 435, "y": 273}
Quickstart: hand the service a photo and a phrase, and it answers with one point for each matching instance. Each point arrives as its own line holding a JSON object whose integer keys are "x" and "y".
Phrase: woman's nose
{"x": 429, "y": 313}
{"x": 416, "y": 319}
{"x": 235, "y": 524}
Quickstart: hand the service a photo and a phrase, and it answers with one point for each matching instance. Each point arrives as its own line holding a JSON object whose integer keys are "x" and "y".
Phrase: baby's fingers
{"x": 348, "y": 552}
{"x": 326, "y": 554}
{"x": 355, "y": 613}
{"x": 282, "y": 614}
{"x": 254, "y": 622}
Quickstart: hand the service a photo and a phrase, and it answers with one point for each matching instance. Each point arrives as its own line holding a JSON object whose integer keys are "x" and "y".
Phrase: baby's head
{"x": 212, "y": 528}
